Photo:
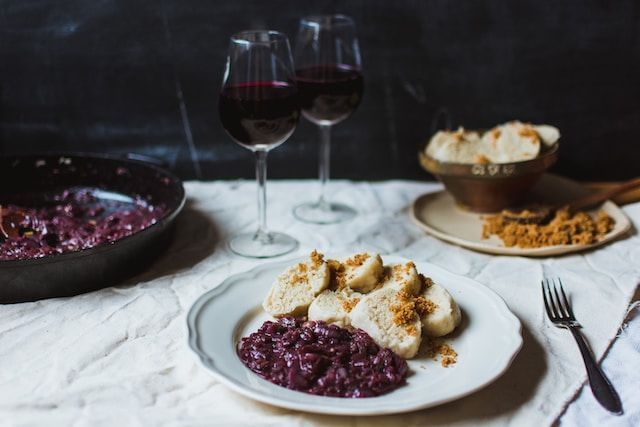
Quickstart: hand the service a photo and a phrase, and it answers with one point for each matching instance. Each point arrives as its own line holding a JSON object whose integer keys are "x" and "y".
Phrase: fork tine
{"x": 547, "y": 306}
{"x": 554, "y": 305}
{"x": 566, "y": 300}
{"x": 554, "y": 301}
{"x": 561, "y": 308}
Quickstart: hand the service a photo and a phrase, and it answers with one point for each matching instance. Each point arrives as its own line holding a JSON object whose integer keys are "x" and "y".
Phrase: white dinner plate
{"x": 439, "y": 215}
{"x": 486, "y": 342}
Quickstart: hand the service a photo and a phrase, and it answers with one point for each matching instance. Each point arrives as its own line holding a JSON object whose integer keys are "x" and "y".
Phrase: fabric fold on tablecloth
{"x": 119, "y": 355}
{"x": 620, "y": 367}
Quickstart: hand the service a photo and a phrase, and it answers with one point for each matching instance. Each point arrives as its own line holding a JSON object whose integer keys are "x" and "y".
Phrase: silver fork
{"x": 561, "y": 315}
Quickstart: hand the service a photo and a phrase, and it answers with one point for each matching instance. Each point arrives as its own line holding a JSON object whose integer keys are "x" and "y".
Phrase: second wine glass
{"x": 330, "y": 85}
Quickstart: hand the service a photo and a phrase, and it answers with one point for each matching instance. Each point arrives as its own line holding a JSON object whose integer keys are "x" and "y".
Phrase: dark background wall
{"x": 143, "y": 76}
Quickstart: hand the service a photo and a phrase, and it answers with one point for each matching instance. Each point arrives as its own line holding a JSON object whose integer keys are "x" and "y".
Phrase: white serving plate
{"x": 486, "y": 342}
{"x": 439, "y": 215}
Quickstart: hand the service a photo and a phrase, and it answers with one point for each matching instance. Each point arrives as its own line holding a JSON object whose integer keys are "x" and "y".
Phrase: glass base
{"x": 325, "y": 213}
{"x": 253, "y": 245}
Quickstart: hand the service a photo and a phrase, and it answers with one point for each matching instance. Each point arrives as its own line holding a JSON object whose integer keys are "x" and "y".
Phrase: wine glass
{"x": 259, "y": 109}
{"x": 330, "y": 84}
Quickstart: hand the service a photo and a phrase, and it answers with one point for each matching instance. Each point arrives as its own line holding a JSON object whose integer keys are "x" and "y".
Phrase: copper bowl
{"x": 490, "y": 187}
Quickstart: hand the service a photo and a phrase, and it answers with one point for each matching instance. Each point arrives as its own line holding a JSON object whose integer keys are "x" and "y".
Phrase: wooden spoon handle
{"x": 601, "y": 196}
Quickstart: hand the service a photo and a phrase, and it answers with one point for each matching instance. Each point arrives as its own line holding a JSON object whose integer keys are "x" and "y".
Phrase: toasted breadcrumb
{"x": 604, "y": 223}
{"x": 298, "y": 279}
{"x": 424, "y": 306}
{"x": 404, "y": 312}
{"x": 563, "y": 229}
{"x": 404, "y": 296}
{"x": 481, "y": 159}
{"x": 348, "y": 304}
{"x": 459, "y": 134}
{"x": 316, "y": 259}
{"x": 412, "y": 330}
{"x": 356, "y": 260}
{"x": 439, "y": 349}
{"x": 448, "y": 355}
{"x": 409, "y": 308}
{"x": 300, "y": 276}
{"x": 399, "y": 271}
{"x": 527, "y": 131}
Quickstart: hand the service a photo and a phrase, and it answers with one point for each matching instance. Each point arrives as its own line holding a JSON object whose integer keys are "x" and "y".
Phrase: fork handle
{"x": 601, "y": 388}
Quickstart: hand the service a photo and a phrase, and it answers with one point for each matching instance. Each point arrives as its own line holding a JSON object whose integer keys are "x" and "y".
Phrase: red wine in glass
{"x": 259, "y": 114}
{"x": 329, "y": 93}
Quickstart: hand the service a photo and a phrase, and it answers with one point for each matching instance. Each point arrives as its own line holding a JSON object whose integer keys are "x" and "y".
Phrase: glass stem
{"x": 324, "y": 165}
{"x": 261, "y": 178}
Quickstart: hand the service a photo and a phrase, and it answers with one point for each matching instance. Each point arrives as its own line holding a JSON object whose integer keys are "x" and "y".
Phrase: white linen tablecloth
{"x": 119, "y": 356}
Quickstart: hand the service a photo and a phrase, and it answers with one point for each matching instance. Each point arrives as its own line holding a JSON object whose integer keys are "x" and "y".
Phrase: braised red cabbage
{"x": 72, "y": 220}
{"x": 322, "y": 359}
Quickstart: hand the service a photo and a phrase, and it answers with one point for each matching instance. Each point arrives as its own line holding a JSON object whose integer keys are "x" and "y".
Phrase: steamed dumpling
{"x": 459, "y": 146}
{"x": 511, "y": 142}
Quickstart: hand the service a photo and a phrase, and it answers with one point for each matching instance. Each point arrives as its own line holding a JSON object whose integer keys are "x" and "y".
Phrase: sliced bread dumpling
{"x": 334, "y": 306}
{"x": 362, "y": 272}
{"x": 389, "y": 317}
{"x": 403, "y": 277}
{"x": 439, "y": 313}
{"x": 295, "y": 289}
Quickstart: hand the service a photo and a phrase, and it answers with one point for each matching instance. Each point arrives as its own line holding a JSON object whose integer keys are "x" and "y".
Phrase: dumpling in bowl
{"x": 460, "y": 146}
{"x": 511, "y": 142}
{"x": 548, "y": 134}
{"x": 516, "y": 141}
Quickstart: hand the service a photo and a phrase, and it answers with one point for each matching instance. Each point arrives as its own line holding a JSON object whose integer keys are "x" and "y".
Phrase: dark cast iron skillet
{"x": 31, "y": 177}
